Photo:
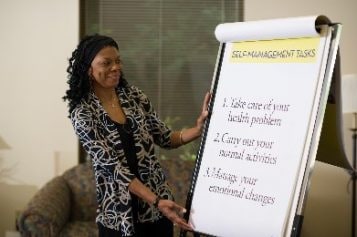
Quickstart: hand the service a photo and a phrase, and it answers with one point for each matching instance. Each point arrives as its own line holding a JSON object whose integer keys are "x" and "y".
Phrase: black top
{"x": 128, "y": 145}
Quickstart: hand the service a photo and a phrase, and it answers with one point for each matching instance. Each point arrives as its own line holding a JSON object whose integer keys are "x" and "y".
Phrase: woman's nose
{"x": 116, "y": 66}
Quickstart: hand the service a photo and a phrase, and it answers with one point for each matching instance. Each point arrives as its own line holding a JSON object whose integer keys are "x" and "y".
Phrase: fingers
{"x": 206, "y": 102}
{"x": 183, "y": 224}
{"x": 173, "y": 212}
{"x": 204, "y": 113}
{"x": 180, "y": 222}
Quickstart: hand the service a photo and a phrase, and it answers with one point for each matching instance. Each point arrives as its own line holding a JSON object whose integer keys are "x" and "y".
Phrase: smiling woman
{"x": 105, "y": 75}
{"x": 105, "y": 68}
{"x": 118, "y": 127}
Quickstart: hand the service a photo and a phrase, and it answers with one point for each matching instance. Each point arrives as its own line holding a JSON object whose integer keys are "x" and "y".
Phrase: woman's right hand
{"x": 174, "y": 213}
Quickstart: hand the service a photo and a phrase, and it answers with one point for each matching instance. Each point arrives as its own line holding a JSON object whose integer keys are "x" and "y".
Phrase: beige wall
{"x": 328, "y": 209}
{"x": 37, "y": 37}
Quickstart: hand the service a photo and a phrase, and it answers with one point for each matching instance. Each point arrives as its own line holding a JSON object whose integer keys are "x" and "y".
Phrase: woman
{"x": 118, "y": 128}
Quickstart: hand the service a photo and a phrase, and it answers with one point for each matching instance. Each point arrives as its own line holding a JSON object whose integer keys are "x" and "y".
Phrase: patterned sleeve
{"x": 160, "y": 132}
{"x": 97, "y": 147}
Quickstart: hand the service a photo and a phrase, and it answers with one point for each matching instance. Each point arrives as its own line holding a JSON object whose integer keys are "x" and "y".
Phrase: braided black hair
{"x": 79, "y": 63}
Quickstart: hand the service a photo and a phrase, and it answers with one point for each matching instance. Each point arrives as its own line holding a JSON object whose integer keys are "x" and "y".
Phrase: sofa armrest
{"x": 48, "y": 211}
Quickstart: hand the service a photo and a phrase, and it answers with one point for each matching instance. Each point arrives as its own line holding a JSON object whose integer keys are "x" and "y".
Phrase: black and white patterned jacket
{"x": 100, "y": 138}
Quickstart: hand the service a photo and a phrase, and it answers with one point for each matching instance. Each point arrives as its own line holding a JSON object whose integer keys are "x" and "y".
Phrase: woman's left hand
{"x": 204, "y": 113}
{"x": 188, "y": 135}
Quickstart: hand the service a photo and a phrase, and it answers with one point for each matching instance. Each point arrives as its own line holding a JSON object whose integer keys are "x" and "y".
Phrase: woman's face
{"x": 105, "y": 68}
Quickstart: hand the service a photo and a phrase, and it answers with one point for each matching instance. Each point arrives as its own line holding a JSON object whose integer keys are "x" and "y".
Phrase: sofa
{"x": 65, "y": 206}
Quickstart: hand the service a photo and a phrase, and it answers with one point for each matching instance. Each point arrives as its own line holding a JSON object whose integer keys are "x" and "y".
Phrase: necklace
{"x": 115, "y": 103}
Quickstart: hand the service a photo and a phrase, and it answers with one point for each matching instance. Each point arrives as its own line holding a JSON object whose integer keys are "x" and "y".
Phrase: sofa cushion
{"x": 48, "y": 211}
{"x": 81, "y": 181}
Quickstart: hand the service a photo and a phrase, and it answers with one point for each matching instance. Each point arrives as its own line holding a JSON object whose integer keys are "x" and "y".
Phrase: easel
{"x": 324, "y": 151}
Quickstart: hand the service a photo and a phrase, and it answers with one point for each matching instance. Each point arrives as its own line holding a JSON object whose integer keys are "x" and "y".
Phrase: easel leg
{"x": 297, "y": 226}
{"x": 354, "y": 177}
